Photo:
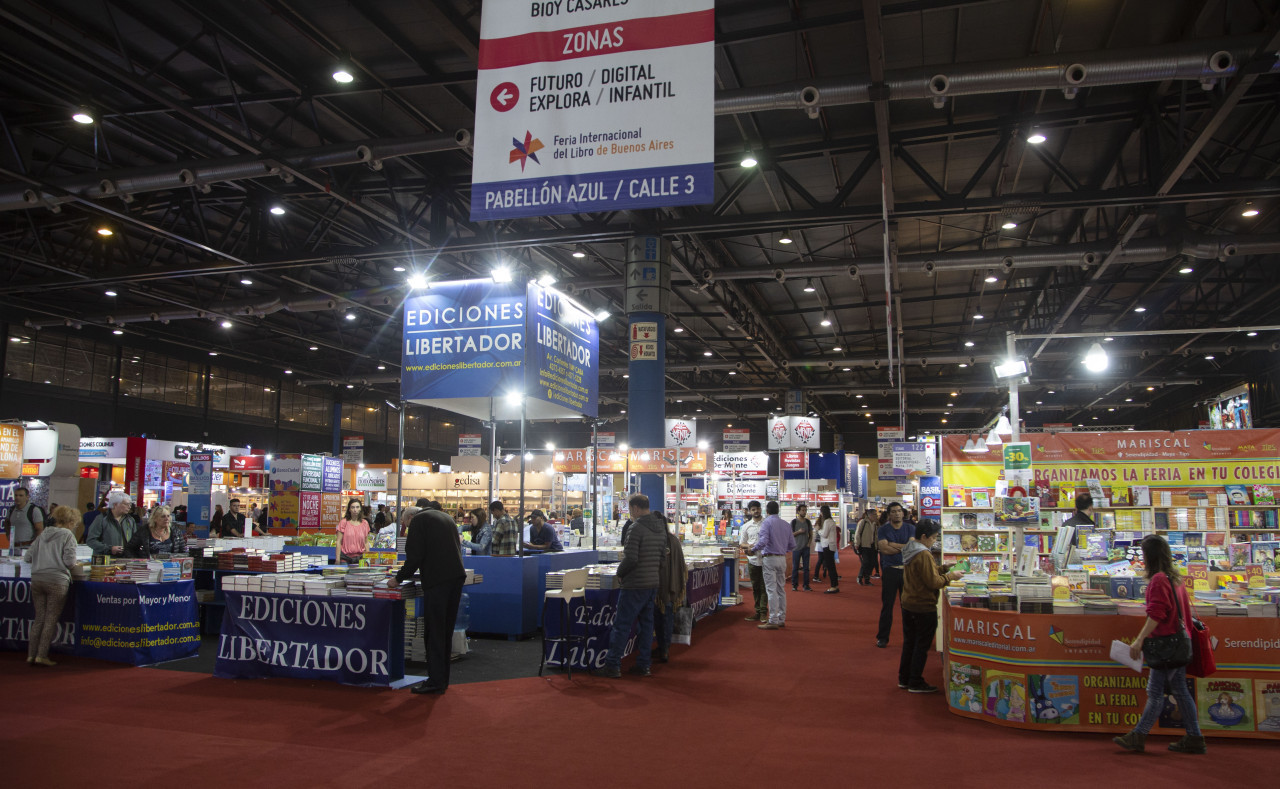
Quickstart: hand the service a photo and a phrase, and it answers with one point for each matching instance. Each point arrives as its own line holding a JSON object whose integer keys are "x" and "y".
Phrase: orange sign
{"x": 646, "y": 461}
{"x": 30, "y": 469}
{"x": 1046, "y": 671}
{"x": 11, "y": 451}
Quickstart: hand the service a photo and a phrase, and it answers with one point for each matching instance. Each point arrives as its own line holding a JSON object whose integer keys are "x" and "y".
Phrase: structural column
{"x": 648, "y": 296}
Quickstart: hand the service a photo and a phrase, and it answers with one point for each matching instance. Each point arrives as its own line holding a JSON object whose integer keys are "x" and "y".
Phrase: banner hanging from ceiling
{"x": 593, "y": 106}
{"x": 564, "y": 353}
{"x": 794, "y": 432}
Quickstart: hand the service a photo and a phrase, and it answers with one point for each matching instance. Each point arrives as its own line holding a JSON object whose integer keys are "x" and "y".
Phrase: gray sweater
{"x": 52, "y": 555}
{"x": 106, "y": 532}
{"x": 642, "y": 556}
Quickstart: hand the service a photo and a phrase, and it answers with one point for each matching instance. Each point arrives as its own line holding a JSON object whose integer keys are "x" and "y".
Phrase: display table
{"x": 352, "y": 640}
{"x": 139, "y": 624}
{"x": 592, "y": 616}
{"x": 509, "y": 601}
{"x": 1050, "y": 672}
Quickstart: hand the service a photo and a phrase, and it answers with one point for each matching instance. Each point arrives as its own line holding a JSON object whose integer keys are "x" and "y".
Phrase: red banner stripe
{"x": 630, "y": 35}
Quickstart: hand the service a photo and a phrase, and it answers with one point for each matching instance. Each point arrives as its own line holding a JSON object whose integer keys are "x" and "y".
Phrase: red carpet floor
{"x": 815, "y": 704}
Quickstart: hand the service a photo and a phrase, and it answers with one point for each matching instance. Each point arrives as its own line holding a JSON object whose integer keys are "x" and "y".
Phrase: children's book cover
{"x": 1141, "y": 495}
{"x": 1241, "y": 553}
{"x": 1095, "y": 488}
{"x": 1055, "y": 698}
{"x": 1225, "y": 704}
{"x": 1171, "y": 715}
{"x": 1162, "y": 520}
{"x": 986, "y": 520}
{"x": 1002, "y": 542}
{"x": 1262, "y": 494}
{"x": 1264, "y": 553}
{"x": 986, "y": 542}
{"x": 968, "y": 542}
{"x": 1121, "y": 495}
{"x": 1262, "y": 519}
{"x": 981, "y": 497}
{"x": 1267, "y": 700}
{"x": 1006, "y": 695}
{"x": 1238, "y": 495}
{"x": 951, "y": 543}
{"x": 956, "y": 496}
{"x": 1014, "y": 511}
{"x": 964, "y": 687}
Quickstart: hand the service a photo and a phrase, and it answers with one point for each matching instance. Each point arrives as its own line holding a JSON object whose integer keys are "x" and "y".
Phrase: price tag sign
{"x": 1017, "y": 456}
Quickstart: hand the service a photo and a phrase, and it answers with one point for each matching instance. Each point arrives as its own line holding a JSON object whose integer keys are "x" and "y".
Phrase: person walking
{"x": 1168, "y": 612}
{"x": 892, "y": 538}
{"x": 921, "y": 581}
{"x": 638, "y": 577}
{"x": 772, "y": 546}
{"x": 830, "y": 544}
{"x": 52, "y": 555}
{"x": 864, "y": 540}
{"x": 750, "y": 533}
{"x": 802, "y": 530}
{"x": 353, "y": 534}
{"x": 433, "y": 550}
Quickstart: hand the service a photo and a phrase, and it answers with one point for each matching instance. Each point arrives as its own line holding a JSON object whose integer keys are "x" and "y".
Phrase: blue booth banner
{"x": 352, "y": 640}
{"x": 464, "y": 339}
{"x": 594, "y": 619}
{"x": 562, "y": 367}
{"x": 139, "y": 624}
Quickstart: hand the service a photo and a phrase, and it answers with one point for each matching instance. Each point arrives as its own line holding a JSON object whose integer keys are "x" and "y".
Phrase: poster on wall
{"x": 312, "y": 473}
{"x": 332, "y": 479}
{"x": 11, "y": 442}
{"x": 309, "y": 510}
{"x": 585, "y": 107}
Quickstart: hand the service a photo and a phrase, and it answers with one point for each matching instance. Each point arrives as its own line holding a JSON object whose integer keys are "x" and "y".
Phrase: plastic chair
{"x": 572, "y": 588}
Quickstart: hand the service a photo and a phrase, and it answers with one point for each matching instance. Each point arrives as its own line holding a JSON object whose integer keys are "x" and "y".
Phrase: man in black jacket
{"x": 638, "y": 586}
{"x": 432, "y": 548}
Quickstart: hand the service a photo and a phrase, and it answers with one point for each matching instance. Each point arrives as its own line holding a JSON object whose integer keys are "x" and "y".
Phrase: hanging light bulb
{"x": 993, "y": 439}
{"x": 1095, "y": 361}
{"x": 1003, "y": 427}
{"x": 808, "y": 286}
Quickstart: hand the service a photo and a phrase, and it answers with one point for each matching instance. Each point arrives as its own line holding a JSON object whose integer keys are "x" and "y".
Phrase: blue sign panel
{"x": 931, "y": 497}
{"x": 464, "y": 339}
{"x": 139, "y": 624}
{"x": 350, "y": 640}
{"x": 564, "y": 347}
{"x": 17, "y": 611}
{"x": 332, "y": 480}
{"x": 200, "y": 489}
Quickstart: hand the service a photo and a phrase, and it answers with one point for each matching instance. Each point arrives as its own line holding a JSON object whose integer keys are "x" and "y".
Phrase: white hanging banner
{"x": 740, "y": 489}
{"x": 585, "y": 106}
{"x": 746, "y": 464}
{"x": 794, "y": 432}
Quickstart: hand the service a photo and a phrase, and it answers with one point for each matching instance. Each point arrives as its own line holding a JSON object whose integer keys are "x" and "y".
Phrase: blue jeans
{"x": 633, "y": 604}
{"x": 800, "y": 558}
{"x": 1174, "y": 680}
{"x": 664, "y": 624}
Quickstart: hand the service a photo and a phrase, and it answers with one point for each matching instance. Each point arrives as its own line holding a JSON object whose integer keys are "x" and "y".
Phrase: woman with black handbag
{"x": 1166, "y": 645}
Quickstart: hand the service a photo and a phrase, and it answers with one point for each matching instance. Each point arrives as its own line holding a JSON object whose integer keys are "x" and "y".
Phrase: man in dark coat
{"x": 637, "y": 587}
{"x": 432, "y": 548}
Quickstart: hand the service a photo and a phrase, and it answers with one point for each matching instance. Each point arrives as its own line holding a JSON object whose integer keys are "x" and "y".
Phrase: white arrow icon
{"x": 504, "y": 97}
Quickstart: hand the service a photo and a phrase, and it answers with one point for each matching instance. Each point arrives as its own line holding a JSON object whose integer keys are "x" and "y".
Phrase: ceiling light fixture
{"x": 111, "y": 293}
{"x": 1139, "y": 309}
{"x": 991, "y": 278}
{"x": 278, "y": 210}
{"x": 825, "y": 320}
{"x": 417, "y": 281}
{"x": 808, "y": 286}
{"x": 733, "y": 372}
{"x": 1251, "y": 334}
{"x": 977, "y": 316}
{"x": 1186, "y": 270}
{"x": 382, "y": 367}
{"x": 314, "y": 348}
{"x": 748, "y": 160}
{"x": 398, "y": 269}
{"x": 501, "y": 274}
{"x": 213, "y": 353}
{"x": 602, "y": 316}
{"x": 678, "y": 329}
{"x": 83, "y": 115}
{"x": 706, "y": 353}
{"x": 968, "y": 343}
{"x": 288, "y": 372}
{"x": 350, "y": 316}
{"x": 1096, "y": 359}
{"x": 226, "y": 324}
{"x": 343, "y": 75}
{"x": 838, "y": 348}
{"x": 1009, "y": 225}
{"x": 1209, "y": 357}
{"x": 117, "y": 332}
{"x": 1249, "y": 211}
{"x": 1035, "y": 137}
{"x": 547, "y": 279}
{"x": 785, "y": 238}
{"x": 246, "y": 282}
{"x": 105, "y": 231}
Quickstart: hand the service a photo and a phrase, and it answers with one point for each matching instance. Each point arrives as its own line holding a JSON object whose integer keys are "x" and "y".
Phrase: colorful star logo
{"x": 1056, "y": 634}
{"x": 525, "y": 150}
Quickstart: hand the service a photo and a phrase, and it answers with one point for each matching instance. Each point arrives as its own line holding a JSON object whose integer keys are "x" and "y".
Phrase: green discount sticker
{"x": 1017, "y": 455}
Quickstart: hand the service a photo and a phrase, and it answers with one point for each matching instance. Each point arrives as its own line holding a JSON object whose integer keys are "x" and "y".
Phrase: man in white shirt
{"x": 751, "y": 533}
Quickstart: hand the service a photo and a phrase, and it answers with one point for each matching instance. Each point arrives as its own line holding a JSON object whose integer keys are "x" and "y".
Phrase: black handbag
{"x": 1171, "y": 651}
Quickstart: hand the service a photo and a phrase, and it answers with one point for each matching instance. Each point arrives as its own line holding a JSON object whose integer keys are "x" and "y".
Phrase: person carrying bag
{"x": 1166, "y": 645}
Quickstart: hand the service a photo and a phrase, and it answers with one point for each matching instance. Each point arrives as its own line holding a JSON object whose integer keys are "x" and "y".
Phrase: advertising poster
{"x": 736, "y": 439}
{"x": 562, "y": 367}
{"x": 793, "y": 461}
{"x": 745, "y": 489}
{"x": 584, "y": 107}
{"x": 1225, "y": 704}
{"x": 200, "y": 488}
{"x": 464, "y": 339}
{"x": 312, "y": 473}
{"x": 309, "y": 509}
{"x": 331, "y": 506}
{"x": 148, "y": 623}
{"x": 641, "y": 461}
{"x": 372, "y": 480}
{"x": 931, "y": 497}
{"x": 284, "y": 509}
{"x": 286, "y": 473}
{"x": 11, "y": 442}
{"x": 332, "y": 471}
{"x": 743, "y": 464}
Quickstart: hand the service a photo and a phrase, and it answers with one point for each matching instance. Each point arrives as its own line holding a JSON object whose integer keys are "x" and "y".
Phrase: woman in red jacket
{"x": 1168, "y": 609}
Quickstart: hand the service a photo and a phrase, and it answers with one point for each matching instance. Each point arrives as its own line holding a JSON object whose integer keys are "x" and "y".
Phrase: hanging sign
{"x": 931, "y": 497}
{"x": 794, "y": 432}
{"x": 469, "y": 443}
{"x": 740, "y": 489}
{"x": 1017, "y": 456}
{"x": 911, "y": 459}
{"x": 593, "y": 106}
{"x": 564, "y": 352}
{"x": 736, "y": 439}
{"x": 371, "y": 480}
{"x": 613, "y": 461}
{"x": 353, "y": 450}
{"x": 682, "y": 432}
{"x": 606, "y": 440}
{"x": 11, "y": 438}
{"x": 744, "y": 464}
